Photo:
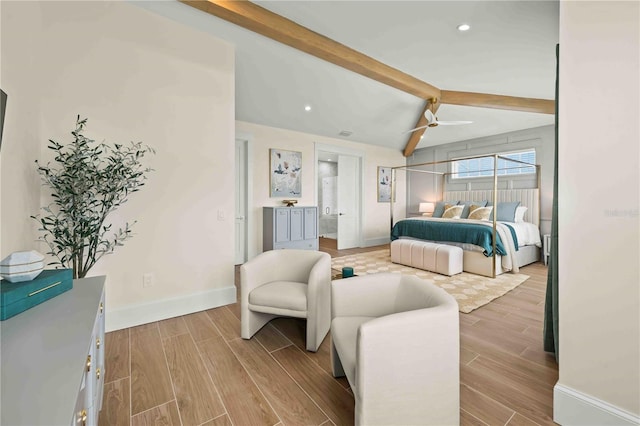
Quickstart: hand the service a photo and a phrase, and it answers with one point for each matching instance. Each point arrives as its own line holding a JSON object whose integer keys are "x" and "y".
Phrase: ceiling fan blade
{"x": 417, "y": 128}
{"x": 452, "y": 123}
{"x": 431, "y": 118}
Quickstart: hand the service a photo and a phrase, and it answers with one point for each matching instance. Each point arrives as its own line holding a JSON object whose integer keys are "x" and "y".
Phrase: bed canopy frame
{"x": 530, "y": 196}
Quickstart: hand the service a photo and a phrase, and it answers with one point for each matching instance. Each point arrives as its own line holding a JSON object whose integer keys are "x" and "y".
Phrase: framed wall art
{"x": 285, "y": 173}
{"x": 384, "y": 184}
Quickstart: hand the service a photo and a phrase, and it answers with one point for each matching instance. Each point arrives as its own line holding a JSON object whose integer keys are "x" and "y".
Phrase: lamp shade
{"x": 426, "y": 207}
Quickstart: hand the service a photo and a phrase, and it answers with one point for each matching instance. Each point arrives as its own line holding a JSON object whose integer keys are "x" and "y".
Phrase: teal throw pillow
{"x": 506, "y": 212}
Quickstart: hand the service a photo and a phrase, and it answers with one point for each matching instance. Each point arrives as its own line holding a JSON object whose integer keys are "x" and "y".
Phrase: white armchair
{"x": 397, "y": 339}
{"x": 291, "y": 283}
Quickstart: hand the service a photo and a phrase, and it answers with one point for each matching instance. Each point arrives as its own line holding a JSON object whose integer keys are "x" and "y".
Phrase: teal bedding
{"x": 455, "y": 231}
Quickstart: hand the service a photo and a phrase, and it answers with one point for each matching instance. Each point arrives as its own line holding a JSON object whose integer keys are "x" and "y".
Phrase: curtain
{"x": 551, "y": 299}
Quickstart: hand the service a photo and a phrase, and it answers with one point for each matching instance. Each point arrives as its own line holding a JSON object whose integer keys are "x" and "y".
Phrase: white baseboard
{"x": 133, "y": 315}
{"x": 376, "y": 241}
{"x": 571, "y": 407}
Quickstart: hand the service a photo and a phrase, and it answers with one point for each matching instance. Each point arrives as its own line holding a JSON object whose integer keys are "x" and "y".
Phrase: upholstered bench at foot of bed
{"x": 440, "y": 258}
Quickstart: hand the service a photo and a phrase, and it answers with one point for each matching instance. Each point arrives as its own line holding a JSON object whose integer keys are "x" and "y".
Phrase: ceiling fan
{"x": 432, "y": 120}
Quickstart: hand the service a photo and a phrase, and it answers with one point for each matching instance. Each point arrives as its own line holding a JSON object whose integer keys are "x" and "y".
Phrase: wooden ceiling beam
{"x": 415, "y": 137}
{"x": 262, "y": 21}
{"x": 485, "y": 100}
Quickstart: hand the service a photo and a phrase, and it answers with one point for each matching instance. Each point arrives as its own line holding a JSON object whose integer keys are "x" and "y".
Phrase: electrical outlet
{"x": 147, "y": 280}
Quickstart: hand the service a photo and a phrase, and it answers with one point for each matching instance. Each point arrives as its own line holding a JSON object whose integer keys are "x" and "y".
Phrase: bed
{"x": 517, "y": 243}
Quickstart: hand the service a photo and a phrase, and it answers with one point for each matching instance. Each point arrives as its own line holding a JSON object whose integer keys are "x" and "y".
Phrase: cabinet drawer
{"x": 300, "y": 245}
{"x": 310, "y": 223}
{"x": 80, "y": 413}
{"x": 282, "y": 226}
{"x": 297, "y": 224}
{"x": 99, "y": 348}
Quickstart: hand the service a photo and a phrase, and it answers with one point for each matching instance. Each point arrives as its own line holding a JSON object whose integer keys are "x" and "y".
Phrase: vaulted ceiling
{"x": 509, "y": 51}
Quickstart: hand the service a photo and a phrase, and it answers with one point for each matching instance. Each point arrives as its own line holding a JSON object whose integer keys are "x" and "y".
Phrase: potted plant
{"x": 88, "y": 181}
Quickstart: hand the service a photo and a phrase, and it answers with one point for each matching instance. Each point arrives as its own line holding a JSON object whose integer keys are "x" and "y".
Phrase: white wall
{"x": 22, "y": 136}
{"x": 261, "y": 138}
{"x": 136, "y": 76}
{"x": 599, "y": 184}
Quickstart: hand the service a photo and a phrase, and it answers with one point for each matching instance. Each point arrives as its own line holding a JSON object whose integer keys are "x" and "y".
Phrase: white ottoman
{"x": 434, "y": 257}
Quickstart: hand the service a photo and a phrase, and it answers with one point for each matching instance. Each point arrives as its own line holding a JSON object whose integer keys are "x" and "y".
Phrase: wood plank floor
{"x": 196, "y": 370}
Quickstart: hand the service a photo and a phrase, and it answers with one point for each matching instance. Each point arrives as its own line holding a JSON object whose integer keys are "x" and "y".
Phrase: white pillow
{"x": 480, "y": 213}
{"x": 452, "y": 212}
{"x": 520, "y": 211}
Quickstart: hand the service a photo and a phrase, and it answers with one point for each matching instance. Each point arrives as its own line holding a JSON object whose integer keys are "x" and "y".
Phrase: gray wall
{"x": 424, "y": 187}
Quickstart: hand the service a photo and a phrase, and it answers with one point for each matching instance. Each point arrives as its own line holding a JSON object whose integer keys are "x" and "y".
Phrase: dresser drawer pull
{"x": 89, "y": 363}
{"x": 98, "y": 343}
{"x": 98, "y": 373}
{"x": 82, "y": 417}
{"x": 101, "y": 307}
{"x": 46, "y": 288}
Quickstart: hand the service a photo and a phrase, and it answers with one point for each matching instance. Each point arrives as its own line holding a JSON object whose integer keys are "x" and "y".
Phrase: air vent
{"x": 345, "y": 133}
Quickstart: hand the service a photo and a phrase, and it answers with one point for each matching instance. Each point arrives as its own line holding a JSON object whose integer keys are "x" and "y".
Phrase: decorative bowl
{"x": 21, "y": 266}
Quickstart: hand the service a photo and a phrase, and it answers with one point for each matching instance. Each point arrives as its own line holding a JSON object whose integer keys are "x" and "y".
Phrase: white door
{"x": 241, "y": 202}
{"x": 348, "y": 202}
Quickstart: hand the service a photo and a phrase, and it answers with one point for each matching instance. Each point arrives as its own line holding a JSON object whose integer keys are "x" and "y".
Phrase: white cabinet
{"x": 52, "y": 359}
{"x": 290, "y": 227}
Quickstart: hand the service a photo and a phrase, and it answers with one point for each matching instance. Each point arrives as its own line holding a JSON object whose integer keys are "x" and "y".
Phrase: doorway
{"x": 339, "y": 195}
{"x": 328, "y": 195}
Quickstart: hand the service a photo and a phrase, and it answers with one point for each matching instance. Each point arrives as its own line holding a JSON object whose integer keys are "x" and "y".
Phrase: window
{"x": 483, "y": 167}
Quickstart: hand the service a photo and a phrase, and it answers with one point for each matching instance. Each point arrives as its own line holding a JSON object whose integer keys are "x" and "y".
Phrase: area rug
{"x": 470, "y": 290}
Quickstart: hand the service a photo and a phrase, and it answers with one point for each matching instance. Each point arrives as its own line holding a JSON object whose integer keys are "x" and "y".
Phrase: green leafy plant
{"x": 88, "y": 181}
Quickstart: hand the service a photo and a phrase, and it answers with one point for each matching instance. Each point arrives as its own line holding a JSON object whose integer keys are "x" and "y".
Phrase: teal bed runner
{"x": 459, "y": 232}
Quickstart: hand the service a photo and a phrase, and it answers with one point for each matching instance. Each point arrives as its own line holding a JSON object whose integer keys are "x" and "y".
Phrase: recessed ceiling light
{"x": 464, "y": 27}
{"x": 307, "y": 108}
{"x": 329, "y": 159}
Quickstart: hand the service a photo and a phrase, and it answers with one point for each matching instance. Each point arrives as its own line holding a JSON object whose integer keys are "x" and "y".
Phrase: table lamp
{"x": 426, "y": 208}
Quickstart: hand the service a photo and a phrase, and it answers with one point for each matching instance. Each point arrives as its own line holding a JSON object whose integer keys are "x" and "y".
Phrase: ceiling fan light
{"x": 463, "y": 27}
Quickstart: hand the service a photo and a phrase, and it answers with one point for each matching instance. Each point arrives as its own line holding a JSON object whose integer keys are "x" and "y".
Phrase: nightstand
{"x": 546, "y": 247}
